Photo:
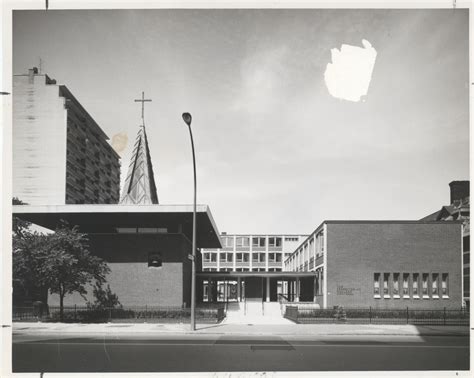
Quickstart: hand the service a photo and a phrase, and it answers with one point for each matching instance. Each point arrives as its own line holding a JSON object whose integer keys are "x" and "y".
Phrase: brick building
{"x": 146, "y": 247}
{"x": 383, "y": 264}
{"x": 60, "y": 154}
{"x": 459, "y": 210}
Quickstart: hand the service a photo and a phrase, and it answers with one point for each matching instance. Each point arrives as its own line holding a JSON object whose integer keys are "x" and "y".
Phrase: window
{"x": 425, "y": 285}
{"x": 258, "y": 242}
{"x": 396, "y": 285}
{"x": 228, "y": 242}
{"x": 377, "y": 285}
{"x": 242, "y": 241}
{"x": 274, "y": 242}
{"x": 255, "y": 257}
{"x": 206, "y": 257}
{"x": 444, "y": 285}
{"x": 213, "y": 257}
{"x": 246, "y": 257}
{"x": 222, "y": 257}
{"x": 434, "y": 285}
{"x": 262, "y": 257}
{"x": 154, "y": 260}
{"x": 415, "y": 285}
{"x": 386, "y": 293}
{"x": 239, "y": 257}
{"x": 278, "y": 257}
{"x": 406, "y": 293}
{"x": 230, "y": 257}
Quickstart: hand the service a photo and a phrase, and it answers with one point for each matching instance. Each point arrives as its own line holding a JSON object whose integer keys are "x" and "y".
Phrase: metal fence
{"x": 211, "y": 313}
{"x": 377, "y": 316}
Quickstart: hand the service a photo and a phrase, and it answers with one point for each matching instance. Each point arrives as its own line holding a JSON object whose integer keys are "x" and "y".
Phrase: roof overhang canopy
{"x": 107, "y": 218}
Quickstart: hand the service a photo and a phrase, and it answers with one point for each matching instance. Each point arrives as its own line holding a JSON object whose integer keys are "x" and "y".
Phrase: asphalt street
{"x": 211, "y": 353}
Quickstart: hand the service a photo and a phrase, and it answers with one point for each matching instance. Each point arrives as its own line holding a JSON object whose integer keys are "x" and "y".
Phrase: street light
{"x": 187, "y": 119}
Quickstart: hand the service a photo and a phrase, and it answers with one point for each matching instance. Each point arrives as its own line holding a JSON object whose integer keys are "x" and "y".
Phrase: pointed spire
{"x": 140, "y": 187}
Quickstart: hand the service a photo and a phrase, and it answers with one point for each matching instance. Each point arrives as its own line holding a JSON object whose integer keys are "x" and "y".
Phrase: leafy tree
{"x": 59, "y": 262}
{"x": 19, "y": 226}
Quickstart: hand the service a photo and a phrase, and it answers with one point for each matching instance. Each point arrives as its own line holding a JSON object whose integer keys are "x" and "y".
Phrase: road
{"x": 210, "y": 353}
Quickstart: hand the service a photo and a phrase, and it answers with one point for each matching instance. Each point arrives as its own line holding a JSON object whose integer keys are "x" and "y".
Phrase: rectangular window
{"x": 415, "y": 285}
{"x": 274, "y": 242}
{"x": 246, "y": 257}
{"x": 255, "y": 257}
{"x": 271, "y": 257}
{"x": 258, "y": 242}
{"x": 230, "y": 257}
{"x": 278, "y": 257}
{"x": 228, "y": 242}
{"x": 425, "y": 285}
{"x": 239, "y": 257}
{"x": 262, "y": 257}
{"x": 206, "y": 257}
{"x": 434, "y": 285}
{"x": 386, "y": 294}
{"x": 222, "y": 257}
{"x": 406, "y": 294}
{"x": 377, "y": 285}
{"x": 444, "y": 285}
{"x": 243, "y": 241}
{"x": 396, "y": 285}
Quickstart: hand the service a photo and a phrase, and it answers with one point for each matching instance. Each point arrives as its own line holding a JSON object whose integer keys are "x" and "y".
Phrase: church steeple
{"x": 140, "y": 187}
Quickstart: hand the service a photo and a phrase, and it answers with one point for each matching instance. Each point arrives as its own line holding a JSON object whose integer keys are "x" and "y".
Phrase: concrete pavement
{"x": 240, "y": 329}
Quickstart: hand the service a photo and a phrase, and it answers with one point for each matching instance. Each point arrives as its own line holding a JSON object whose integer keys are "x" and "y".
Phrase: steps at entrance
{"x": 252, "y": 312}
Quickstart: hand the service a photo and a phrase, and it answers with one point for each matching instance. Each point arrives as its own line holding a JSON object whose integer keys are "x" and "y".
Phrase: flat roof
{"x": 370, "y": 221}
{"x": 106, "y": 218}
{"x": 255, "y": 274}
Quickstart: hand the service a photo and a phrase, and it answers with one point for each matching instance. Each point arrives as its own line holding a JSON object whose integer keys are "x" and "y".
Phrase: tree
{"x": 69, "y": 266}
{"x": 60, "y": 262}
{"x": 19, "y": 226}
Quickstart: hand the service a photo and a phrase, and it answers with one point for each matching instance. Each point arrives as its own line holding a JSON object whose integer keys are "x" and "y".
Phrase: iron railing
{"x": 209, "y": 313}
{"x": 378, "y": 316}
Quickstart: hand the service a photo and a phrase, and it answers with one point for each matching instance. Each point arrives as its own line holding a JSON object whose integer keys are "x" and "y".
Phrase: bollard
{"x": 407, "y": 314}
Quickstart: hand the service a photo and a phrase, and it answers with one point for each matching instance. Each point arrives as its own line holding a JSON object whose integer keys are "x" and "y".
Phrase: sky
{"x": 275, "y": 151}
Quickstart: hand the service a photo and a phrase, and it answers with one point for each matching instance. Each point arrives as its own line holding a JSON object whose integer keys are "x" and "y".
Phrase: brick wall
{"x": 356, "y": 251}
{"x": 131, "y": 279}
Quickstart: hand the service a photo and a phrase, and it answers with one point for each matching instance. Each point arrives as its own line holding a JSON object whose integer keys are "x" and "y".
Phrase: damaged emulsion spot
{"x": 119, "y": 142}
{"x": 349, "y": 75}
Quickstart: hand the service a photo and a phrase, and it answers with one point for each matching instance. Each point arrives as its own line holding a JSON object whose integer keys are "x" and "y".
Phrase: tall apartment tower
{"x": 60, "y": 154}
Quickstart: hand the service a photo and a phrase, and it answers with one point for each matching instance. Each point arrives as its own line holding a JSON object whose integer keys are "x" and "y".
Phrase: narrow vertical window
{"x": 377, "y": 285}
{"x": 396, "y": 285}
{"x": 405, "y": 285}
{"x": 415, "y": 285}
{"x": 385, "y": 285}
{"x": 434, "y": 285}
{"x": 425, "y": 285}
{"x": 444, "y": 285}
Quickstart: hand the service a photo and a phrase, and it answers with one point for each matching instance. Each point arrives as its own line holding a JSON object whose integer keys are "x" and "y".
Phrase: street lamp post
{"x": 187, "y": 119}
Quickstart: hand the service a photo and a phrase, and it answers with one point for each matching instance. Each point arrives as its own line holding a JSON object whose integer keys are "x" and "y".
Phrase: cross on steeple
{"x": 143, "y": 100}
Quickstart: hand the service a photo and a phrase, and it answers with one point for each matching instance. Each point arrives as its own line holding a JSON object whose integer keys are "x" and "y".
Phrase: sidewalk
{"x": 240, "y": 329}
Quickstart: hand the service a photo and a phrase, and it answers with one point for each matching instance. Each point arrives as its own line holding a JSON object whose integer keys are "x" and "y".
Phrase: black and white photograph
{"x": 235, "y": 189}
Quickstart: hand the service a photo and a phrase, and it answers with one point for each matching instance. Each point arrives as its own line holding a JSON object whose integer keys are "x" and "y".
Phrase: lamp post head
{"x": 187, "y": 118}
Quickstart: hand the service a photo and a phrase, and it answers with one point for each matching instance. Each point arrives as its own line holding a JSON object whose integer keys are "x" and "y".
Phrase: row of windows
{"x": 243, "y": 257}
{"x": 410, "y": 285}
{"x": 242, "y": 270}
{"x": 244, "y": 241}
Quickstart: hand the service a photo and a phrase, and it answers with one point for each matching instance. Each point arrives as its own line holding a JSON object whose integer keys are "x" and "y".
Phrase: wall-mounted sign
{"x": 341, "y": 290}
